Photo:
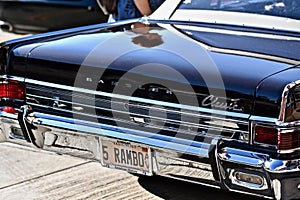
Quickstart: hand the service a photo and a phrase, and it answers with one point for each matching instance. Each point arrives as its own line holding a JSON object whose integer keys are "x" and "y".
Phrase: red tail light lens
{"x": 12, "y": 90}
{"x": 290, "y": 140}
{"x": 9, "y": 109}
{"x": 283, "y": 140}
{"x": 266, "y": 135}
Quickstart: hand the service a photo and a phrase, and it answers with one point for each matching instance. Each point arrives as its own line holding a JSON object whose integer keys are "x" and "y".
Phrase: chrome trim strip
{"x": 288, "y": 151}
{"x": 277, "y": 188}
{"x": 263, "y": 119}
{"x": 16, "y": 78}
{"x": 165, "y": 10}
{"x": 254, "y": 55}
{"x": 242, "y": 19}
{"x": 142, "y": 100}
{"x": 8, "y": 115}
{"x": 251, "y": 132}
{"x": 284, "y": 97}
{"x": 240, "y": 33}
{"x": 242, "y": 157}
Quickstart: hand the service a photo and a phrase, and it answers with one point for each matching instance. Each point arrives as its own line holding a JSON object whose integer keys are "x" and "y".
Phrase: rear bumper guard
{"x": 31, "y": 133}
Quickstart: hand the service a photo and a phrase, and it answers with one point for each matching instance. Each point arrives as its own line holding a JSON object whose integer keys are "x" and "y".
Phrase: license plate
{"x": 132, "y": 158}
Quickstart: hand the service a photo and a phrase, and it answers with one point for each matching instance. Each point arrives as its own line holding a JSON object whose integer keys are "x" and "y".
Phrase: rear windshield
{"x": 283, "y": 8}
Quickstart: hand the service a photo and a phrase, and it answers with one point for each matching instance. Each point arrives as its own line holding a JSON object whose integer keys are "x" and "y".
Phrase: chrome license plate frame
{"x": 133, "y": 158}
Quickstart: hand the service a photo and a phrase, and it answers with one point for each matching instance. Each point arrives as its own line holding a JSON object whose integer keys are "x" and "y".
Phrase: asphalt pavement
{"x": 30, "y": 173}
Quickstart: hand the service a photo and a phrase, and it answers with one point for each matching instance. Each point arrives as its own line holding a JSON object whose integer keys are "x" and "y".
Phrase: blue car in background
{"x": 34, "y": 16}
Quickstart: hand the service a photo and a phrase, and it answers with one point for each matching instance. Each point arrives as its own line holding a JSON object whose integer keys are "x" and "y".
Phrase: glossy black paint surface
{"x": 270, "y": 90}
{"x": 59, "y": 61}
{"x": 31, "y": 16}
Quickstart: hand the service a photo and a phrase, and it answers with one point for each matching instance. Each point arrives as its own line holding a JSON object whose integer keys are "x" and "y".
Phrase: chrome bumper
{"x": 223, "y": 167}
{"x": 5, "y": 26}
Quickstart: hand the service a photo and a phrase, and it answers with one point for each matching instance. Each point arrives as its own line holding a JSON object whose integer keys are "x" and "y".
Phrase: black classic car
{"x": 205, "y": 91}
{"x": 35, "y": 16}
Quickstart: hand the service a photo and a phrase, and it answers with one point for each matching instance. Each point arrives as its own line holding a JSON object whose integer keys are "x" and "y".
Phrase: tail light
{"x": 12, "y": 90}
{"x": 266, "y": 135}
{"x": 284, "y": 140}
{"x": 289, "y": 140}
{"x": 9, "y": 109}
